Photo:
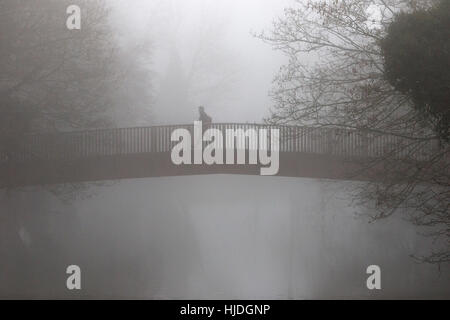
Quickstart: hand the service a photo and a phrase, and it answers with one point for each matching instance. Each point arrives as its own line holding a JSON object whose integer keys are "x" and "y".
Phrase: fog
{"x": 210, "y": 236}
{"x": 206, "y": 53}
{"x": 218, "y": 236}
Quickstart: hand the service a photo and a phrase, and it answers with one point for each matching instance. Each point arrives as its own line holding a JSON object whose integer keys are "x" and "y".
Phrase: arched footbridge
{"x": 125, "y": 153}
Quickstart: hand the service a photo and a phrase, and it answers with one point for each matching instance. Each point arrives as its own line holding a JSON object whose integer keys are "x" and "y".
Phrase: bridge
{"x": 125, "y": 153}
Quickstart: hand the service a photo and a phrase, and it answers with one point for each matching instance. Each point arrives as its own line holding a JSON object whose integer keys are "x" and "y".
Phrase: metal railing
{"x": 125, "y": 141}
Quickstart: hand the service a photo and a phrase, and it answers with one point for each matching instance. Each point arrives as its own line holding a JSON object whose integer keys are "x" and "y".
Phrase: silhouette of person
{"x": 206, "y": 122}
{"x": 204, "y": 118}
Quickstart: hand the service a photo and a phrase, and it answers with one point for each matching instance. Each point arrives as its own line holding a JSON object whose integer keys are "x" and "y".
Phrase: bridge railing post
{"x": 329, "y": 142}
{"x": 365, "y": 143}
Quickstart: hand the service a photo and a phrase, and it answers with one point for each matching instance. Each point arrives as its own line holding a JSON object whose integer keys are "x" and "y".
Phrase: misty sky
{"x": 239, "y": 67}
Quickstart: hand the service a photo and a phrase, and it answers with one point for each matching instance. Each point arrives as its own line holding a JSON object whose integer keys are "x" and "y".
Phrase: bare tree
{"x": 335, "y": 78}
{"x": 53, "y": 79}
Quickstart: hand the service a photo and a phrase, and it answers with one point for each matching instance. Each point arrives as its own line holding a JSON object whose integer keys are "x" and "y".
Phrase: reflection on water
{"x": 215, "y": 236}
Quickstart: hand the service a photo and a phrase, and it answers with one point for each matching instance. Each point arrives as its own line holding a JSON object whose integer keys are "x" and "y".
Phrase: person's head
{"x": 201, "y": 109}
